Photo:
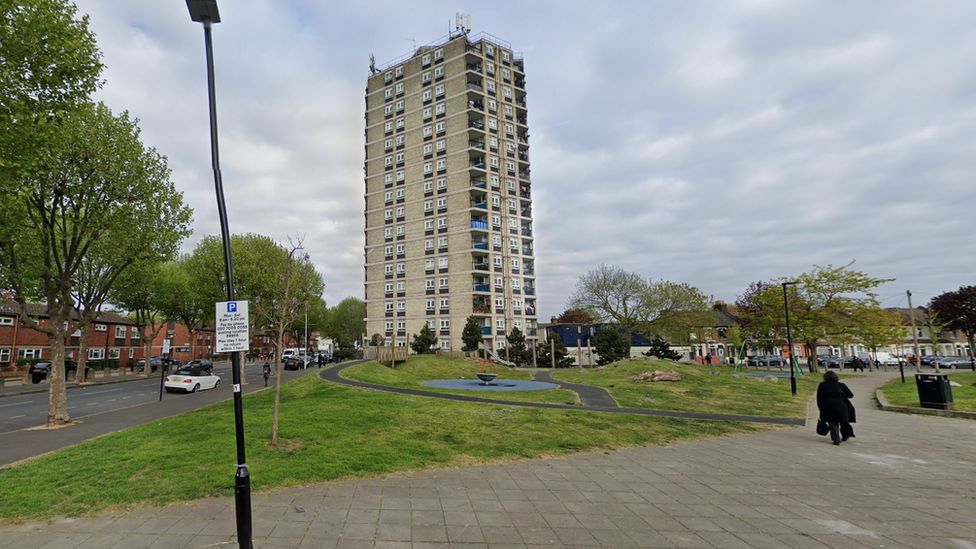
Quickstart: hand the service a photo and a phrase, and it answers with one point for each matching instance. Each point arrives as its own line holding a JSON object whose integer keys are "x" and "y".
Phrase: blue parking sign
{"x": 231, "y": 306}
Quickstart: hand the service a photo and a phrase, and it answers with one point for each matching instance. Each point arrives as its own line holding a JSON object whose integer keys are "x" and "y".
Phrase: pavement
{"x": 905, "y": 481}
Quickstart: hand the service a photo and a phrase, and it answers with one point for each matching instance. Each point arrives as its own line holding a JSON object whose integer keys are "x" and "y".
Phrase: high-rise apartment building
{"x": 448, "y": 194}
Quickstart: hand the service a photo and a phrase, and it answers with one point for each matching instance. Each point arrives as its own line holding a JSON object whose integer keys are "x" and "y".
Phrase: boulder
{"x": 657, "y": 375}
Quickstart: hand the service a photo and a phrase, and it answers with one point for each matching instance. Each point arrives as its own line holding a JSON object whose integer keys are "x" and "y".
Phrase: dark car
{"x": 154, "y": 363}
{"x": 295, "y": 363}
{"x": 766, "y": 361}
{"x": 199, "y": 363}
{"x": 40, "y": 370}
{"x": 929, "y": 360}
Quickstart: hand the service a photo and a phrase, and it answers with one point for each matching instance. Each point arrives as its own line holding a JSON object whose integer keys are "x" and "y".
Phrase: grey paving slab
{"x": 904, "y": 481}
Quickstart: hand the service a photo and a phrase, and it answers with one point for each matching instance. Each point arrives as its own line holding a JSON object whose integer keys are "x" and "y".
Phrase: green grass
{"x": 701, "y": 389}
{"x": 906, "y": 394}
{"x": 328, "y": 432}
{"x": 419, "y": 369}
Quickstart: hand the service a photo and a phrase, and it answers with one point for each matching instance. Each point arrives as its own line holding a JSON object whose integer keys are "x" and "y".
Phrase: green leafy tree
{"x": 471, "y": 335}
{"x": 345, "y": 323}
{"x": 823, "y": 303}
{"x": 661, "y": 349}
{"x": 518, "y": 352}
{"x": 100, "y": 183}
{"x": 875, "y": 327}
{"x": 138, "y": 291}
{"x": 611, "y": 344}
{"x": 736, "y": 338}
{"x": 957, "y": 309}
{"x": 652, "y": 307}
{"x": 576, "y": 316}
{"x": 554, "y": 347}
{"x": 424, "y": 341}
{"x": 181, "y": 298}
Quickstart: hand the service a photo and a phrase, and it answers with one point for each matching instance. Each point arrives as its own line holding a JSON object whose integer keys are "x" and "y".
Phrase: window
{"x": 441, "y": 164}
{"x": 439, "y": 54}
{"x": 506, "y": 73}
{"x": 4, "y": 355}
{"x": 439, "y": 72}
{"x": 428, "y": 205}
{"x": 512, "y": 204}
{"x": 439, "y": 90}
{"x": 439, "y": 127}
{"x": 135, "y": 331}
{"x": 427, "y": 96}
{"x": 401, "y": 268}
{"x": 442, "y": 263}
{"x": 440, "y": 108}
{"x": 512, "y": 223}
{"x": 399, "y": 88}
{"x": 489, "y": 49}
{"x": 517, "y": 304}
{"x": 388, "y": 250}
{"x": 430, "y": 304}
{"x": 101, "y": 327}
{"x": 388, "y": 178}
{"x": 399, "y": 158}
{"x": 388, "y": 110}
{"x": 429, "y": 244}
{"x": 388, "y": 93}
{"x": 401, "y": 305}
{"x": 441, "y": 222}
{"x": 6, "y": 321}
{"x": 388, "y": 126}
{"x": 493, "y": 124}
{"x": 429, "y": 264}
{"x": 445, "y": 344}
{"x": 96, "y": 353}
{"x": 496, "y": 239}
{"x": 499, "y": 282}
{"x": 445, "y": 304}
{"x": 490, "y": 67}
{"x": 507, "y": 93}
{"x": 428, "y": 149}
{"x": 389, "y": 325}
{"x": 400, "y": 230}
{"x": 494, "y": 178}
{"x": 500, "y": 324}
{"x": 389, "y": 305}
{"x": 504, "y": 56}
{"x": 513, "y": 243}
{"x": 399, "y": 123}
{"x": 432, "y": 324}
{"x": 428, "y": 224}
{"x": 428, "y": 131}
{"x": 492, "y": 105}
{"x": 429, "y": 283}
{"x": 499, "y": 302}
{"x": 388, "y": 196}
{"x": 400, "y": 175}
{"x": 443, "y": 282}
{"x": 113, "y": 353}
{"x": 509, "y": 129}
{"x": 428, "y": 186}
{"x": 511, "y": 184}
{"x": 515, "y": 263}
{"x": 426, "y": 60}
{"x": 401, "y": 325}
{"x": 497, "y": 260}
{"x": 516, "y": 282}
{"x": 388, "y": 232}
{"x": 508, "y": 109}
{"x": 388, "y": 144}
{"x": 445, "y": 324}
{"x": 518, "y": 323}
{"x": 388, "y": 268}
{"x": 399, "y": 71}
{"x": 400, "y": 248}
{"x": 428, "y": 112}
{"x": 28, "y": 353}
{"x": 428, "y": 167}
{"x": 399, "y": 211}
{"x": 388, "y": 213}
{"x": 389, "y": 160}
{"x": 388, "y": 287}
{"x": 400, "y": 193}
{"x": 425, "y": 76}
{"x": 441, "y": 145}
{"x": 493, "y": 161}
{"x": 399, "y": 141}
{"x": 441, "y": 183}
{"x": 496, "y": 221}
{"x": 441, "y": 202}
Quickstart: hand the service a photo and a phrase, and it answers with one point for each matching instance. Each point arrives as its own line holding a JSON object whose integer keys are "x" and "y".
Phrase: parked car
{"x": 929, "y": 360}
{"x": 296, "y": 363}
{"x": 766, "y": 361}
{"x": 200, "y": 362}
{"x": 154, "y": 362}
{"x": 191, "y": 378}
{"x": 953, "y": 362}
{"x": 40, "y": 370}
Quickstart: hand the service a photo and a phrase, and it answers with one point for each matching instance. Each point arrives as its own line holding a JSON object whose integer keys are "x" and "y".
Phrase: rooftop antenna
{"x": 372, "y": 64}
{"x": 462, "y": 23}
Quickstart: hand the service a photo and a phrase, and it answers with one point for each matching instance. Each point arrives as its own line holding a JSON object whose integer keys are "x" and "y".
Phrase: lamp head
{"x": 203, "y": 10}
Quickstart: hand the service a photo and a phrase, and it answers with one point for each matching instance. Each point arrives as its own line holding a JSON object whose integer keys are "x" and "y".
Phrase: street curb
{"x": 888, "y": 407}
{"x": 125, "y": 379}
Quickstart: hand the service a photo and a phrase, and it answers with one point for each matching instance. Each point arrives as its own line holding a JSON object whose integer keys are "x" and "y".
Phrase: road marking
{"x": 18, "y": 417}
{"x": 93, "y": 404}
{"x": 14, "y": 404}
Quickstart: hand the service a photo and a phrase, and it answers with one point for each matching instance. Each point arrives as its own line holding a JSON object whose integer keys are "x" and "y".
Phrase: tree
{"x": 345, "y": 323}
{"x": 649, "y": 307}
{"x": 424, "y": 341}
{"x": 875, "y": 327}
{"x": 138, "y": 292}
{"x": 545, "y": 356}
{"x": 611, "y": 344}
{"x": 99, "y": 182}
{"x": 823, "y": 303}
{"x": 517, "y": 350}
{"x": 576, "y": 316}
{"x": 281, "y": 294}
{"x": 181, "y": 297}
{"x": 736, "y": 338}
{"x": 661, "y": 349}
{"x": 471, "y": 335}
{"x": 958, "y": 310}
{"x": 935, "y": 327}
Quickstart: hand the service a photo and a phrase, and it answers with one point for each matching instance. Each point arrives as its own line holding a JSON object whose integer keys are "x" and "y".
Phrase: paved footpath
{"x": 905, "y": 482}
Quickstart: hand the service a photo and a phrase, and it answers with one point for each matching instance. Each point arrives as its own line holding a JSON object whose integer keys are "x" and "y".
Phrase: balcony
{"x": 480, "y": 245}
{"x": 529, "y": 290}
{"x": 476, "y": 67}
{"x": 482, "y": 288}
{"x": 480, "y": 205}
{"x": 476, "y": 105}
{"x": 526, "y": 231}
{"x": 477, "y": 144}
{"x": 526, "y": 250}
{"x": 483, "y": 225}
{"x": 481, "y": 266}
{"x": 479, "y": 184}
{"x": 486, "y": 330}
{"x": 476, "y": 124}
{"x": 526, "y": 212}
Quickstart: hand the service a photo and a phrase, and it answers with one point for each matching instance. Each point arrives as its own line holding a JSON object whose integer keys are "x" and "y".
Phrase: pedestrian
{"x": 708, "y": 359}
{"x": 833, "y": 400}
{"x": 321, "y": 360}
{"x": 266, "y": 371}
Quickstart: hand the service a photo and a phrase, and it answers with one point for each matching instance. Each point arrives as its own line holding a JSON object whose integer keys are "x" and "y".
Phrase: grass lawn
{"x": 419, "y": 369}
{"x": 701, "y": 389}
{"x": 328, "y": 432}
{"x": 906, "y": 394}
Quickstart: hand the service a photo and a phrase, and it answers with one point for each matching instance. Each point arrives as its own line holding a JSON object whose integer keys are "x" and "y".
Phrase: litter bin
{"x": 934, "y": 391}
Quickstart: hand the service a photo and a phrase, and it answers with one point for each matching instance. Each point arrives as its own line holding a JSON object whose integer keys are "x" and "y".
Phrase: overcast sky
{"x": 714, "y": 143}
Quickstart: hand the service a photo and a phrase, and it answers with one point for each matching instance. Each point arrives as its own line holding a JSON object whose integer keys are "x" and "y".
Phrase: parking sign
{"x": 232, "y": 326}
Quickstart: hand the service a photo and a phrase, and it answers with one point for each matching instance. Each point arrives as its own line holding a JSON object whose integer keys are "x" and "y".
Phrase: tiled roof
{"x": 39, "y": 310}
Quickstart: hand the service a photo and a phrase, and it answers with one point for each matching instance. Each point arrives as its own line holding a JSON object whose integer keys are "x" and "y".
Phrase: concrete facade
{"x": 448, "y": 194}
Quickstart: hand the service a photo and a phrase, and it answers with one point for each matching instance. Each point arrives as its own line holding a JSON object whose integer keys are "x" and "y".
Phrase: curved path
{"x": 590, "y": 395}
{"x": 333, "y": 374}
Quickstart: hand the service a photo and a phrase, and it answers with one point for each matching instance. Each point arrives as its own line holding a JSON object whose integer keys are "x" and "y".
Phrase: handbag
{"x": 822, "y": 427}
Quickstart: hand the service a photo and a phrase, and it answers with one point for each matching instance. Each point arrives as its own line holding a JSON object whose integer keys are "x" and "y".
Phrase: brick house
{"x": 184, "y": 344}
{"x": 112, "y": 341}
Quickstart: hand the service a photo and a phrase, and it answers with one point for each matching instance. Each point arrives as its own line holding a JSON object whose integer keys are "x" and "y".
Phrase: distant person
{"x": 833, "y": 400}
{"x": 321, "y": 360}
{"x": 266, "y": 372}
{"x": 856, "y": 363}
{"x": 708, "y": 359}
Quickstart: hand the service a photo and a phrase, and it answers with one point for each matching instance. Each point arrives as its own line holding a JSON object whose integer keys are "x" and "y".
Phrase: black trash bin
{"x": 934, "y": 391}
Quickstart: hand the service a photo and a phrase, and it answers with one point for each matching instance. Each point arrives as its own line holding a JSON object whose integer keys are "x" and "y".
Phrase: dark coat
{"x": 832, "y": 400}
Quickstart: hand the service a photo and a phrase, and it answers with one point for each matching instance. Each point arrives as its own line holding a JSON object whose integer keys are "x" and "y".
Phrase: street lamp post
{"x": 205, "y": 12}
{"x": 789, "y": 336}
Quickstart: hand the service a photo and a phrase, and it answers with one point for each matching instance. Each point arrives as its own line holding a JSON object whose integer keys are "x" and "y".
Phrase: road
{"x": 105, "y": 408}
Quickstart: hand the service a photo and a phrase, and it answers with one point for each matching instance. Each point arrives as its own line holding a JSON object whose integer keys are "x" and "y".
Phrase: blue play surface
{"x": 765, "y": 374}
{"x": 497, "y": 385}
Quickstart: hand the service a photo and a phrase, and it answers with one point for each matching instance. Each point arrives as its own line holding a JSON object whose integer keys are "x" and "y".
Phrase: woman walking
{"x": 833, "y": 400}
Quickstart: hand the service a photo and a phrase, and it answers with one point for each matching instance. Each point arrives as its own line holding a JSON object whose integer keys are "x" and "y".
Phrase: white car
{"x": 191, "y": 378}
